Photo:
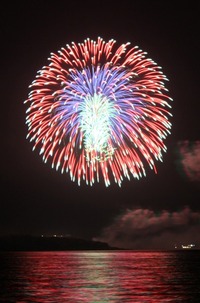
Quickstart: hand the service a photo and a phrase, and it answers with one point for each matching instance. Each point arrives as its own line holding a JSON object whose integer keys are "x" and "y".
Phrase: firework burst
{"x": 99, "y": 110}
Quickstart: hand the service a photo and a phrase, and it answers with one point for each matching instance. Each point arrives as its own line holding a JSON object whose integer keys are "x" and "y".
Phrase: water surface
{"x": 100, "y": 276}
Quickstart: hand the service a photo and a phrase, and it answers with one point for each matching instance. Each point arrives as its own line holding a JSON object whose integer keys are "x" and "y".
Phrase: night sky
{"x": 154, "y": 212}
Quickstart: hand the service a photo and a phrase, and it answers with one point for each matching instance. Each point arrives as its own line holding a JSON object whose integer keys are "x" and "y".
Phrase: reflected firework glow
{"x": 100, "y": 276}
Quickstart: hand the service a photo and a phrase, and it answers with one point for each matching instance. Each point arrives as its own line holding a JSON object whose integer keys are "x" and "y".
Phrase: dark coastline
{"x": 51, "y": 243}
{"x": 64, "y": 243}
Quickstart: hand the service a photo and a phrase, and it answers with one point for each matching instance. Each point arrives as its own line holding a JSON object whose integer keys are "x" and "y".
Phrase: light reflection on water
{"x": 99, "y": 277}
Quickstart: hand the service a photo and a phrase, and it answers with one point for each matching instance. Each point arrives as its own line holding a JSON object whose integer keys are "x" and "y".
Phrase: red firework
{"x": 99, "y": 110}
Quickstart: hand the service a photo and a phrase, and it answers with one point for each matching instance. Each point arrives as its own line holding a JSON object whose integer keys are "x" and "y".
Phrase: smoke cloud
{"x": 147, "y": 229}
{"x": 189, "y": 159}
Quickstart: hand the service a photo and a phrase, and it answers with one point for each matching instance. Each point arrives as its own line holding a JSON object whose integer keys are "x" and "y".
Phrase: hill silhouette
{"x": 49, "y": 243}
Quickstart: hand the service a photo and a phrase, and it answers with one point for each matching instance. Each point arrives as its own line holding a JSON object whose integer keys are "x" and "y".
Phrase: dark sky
{"x": 155, "y": 211}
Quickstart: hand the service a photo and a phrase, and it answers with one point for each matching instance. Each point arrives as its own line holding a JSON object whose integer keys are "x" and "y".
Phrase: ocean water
{"x": 100, "y": 277}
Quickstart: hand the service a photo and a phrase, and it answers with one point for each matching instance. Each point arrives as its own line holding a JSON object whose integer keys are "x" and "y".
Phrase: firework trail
{"x": 99, "y": 110}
